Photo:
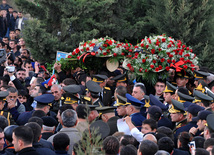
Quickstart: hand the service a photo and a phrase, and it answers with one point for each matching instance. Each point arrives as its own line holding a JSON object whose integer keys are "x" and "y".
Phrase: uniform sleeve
{"x": 137, "y": 134}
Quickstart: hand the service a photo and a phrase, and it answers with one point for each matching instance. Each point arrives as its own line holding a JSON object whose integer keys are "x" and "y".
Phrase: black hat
{"x": 176, "y": 107}
{"x": 73, "y": 89}
{"x": 202, "y": 115}
{"x": 70, "y": 98}
{"x": 120, "y": 78}
{"x": 194, "y": 109}
{"x": 45, "y": 99}
{"x": 99, "y": 78}
{"x": 3, "y": 95}
{"x": 200, "y": 74}
{"x": 121, "y": 101}
{"x": 182, "y": 74}
{"x": 49, "y": 121}
{"x": 133, "y": 101}
{"x": 201, "y": 97}
{"x": 92, "y": 107}
{"x": 154, "y": 109}
{"x": 8, "y": 131}
{"x": 201, "y": 86}
{"x": 210, "y": 121}
{"x": 112, "y": 123}
{"x": 106, "y": 109}
{"x": 93, "y": 87}
{"x": 101, "y": 127}
{"x": 154, "y": 101}
{"x": 184, "y": 97}
{"x": 169, "y": 88}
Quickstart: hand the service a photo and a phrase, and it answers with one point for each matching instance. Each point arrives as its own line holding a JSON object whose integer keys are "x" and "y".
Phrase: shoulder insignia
{"x": 87, "y": 98}
{"x": 108, "y": 88}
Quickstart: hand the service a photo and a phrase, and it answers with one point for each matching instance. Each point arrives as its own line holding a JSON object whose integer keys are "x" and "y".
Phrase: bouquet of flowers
{"x": 154, "y": 56}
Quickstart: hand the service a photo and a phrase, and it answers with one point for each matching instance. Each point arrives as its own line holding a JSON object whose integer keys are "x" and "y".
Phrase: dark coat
{"x": 137, "y": 119}
{"x": 28, "y": 151}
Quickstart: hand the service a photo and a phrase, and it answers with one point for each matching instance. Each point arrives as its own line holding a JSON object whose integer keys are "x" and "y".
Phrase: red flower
{"x": 92, "y": 45}
{"x": 192, "y": 65}
{"x": 141, "y": 69}
{"x": 87, "y": 49}
{"x": 110, "y": 42}
{"x": 183, "y": 46}
{"x": 182, "y": 59}
{"x": 190, "y": 50}
{"x": 105, "y": 45}
{"x": 146, "y": 70}
{"x": 152, "y": 66}
{"x": 108, "y": 50}
{"x": 160, "y": 67}
{"x": 142, "y": 45}
{"x": 163, "y": 40}
{"x": 157, "y": 69}
{"x": 153, "y": 51}
{"x": 170, "y": 55}
{"x": 185, "y": 66}
{"x": 180, "y": 53}
{"x": 69, "y": 56}
{"x": 173, "y": 61}
{"x": 154, "y": 61}
{"x": 186, "y": 55}
{"x": 129, "y": 65}
{"x": 104, "y": 53}
{"x": 78, "y": 57}
{"x": 136, "y": 47}
{"x": 162, "y": 60}
{"x": 169, "y": 46}
{"x": 122, "y": 53}
{"x": 147, "y": 46}
{"x": 157, "y": 43}
{"x": 187, "y": 48}
{"x": 193, "y": 69}
{"x": 167, "y": 68}
{"x": 93, "y": 53}
{"x": 159, "y": 49}
{"x": 130, "y": 50}
{"x": 73, "y": 53}
{"x": 168, "y": 60}
{"x": 77, "y": 50}
{"x": 100, "y": 48}
{"x": 115, "y": 54}
{"x": 136, "y": 54}
{"x": 143, "y": 60}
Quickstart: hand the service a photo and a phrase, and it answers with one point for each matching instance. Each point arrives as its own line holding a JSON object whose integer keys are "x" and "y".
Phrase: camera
{"x": 10, "y": 69}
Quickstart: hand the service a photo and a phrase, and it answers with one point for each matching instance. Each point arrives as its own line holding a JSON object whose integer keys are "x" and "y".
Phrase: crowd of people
{"x": 49, "y": 114}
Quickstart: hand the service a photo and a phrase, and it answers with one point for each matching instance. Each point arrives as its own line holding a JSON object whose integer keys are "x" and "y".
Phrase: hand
{"x": 11, "y": 103}
{"x": 36, "y": 66}
{"x": 128, "y": 119}
{"x": 57, "y": 67}
{"x": 193, "y": 130}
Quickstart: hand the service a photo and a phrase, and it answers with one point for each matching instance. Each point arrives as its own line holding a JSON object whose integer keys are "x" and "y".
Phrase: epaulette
{"x": 87, "y": 98}
{"x": 108, "y": 88}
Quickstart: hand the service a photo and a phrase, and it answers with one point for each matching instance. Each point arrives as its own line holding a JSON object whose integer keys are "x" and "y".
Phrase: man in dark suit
{"x": 20, "y": 22}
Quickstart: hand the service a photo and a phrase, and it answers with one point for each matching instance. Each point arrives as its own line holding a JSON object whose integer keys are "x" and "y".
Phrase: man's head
{"x": 148, "y": 125}
{"x": 21, "y": 74}
{"x": 4, "y": 2}
{"x": 1, "y": 139}
{"x": 28, "y": 65}
{"x": 36, "y": 131}
{"x": 111, "y": 145}
{"x": 25, "y": 52}
{"x": 37, "y": 91}
{"x": 202, "y": 116}
{"x": 181, "y": 81}
{"x": 61, "y": 142}
{"x": 20, "y": 15}
{"x": 12, "y": 44}
{"x": 69, "y": 118}
{"x": 147, "y": 147}
{"x": 56, "y": 90}
{"x": 159, "y": 88}
{"x": 22, "y": 138}
{"x": 21, "y": 42}
{"x": 13, "y": 94}
{"x": 61, "y": 110}
{"x": 166, "y": 144}
{"x": 5, "y": 40}
{"x": 139, "y": 91}
{"x": 12, "y": 36}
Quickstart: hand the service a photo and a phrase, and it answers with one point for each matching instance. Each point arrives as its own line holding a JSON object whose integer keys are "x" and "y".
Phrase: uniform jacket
{"x": 137, "y": 119}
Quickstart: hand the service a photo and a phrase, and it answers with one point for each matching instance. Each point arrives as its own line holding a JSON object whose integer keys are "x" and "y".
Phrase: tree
{"x": 61, "y": 26}
{"x": 187, "y": 20}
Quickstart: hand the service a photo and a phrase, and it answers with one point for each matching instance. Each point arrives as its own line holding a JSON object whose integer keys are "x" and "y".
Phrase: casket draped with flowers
{"x": 151, "y": 58}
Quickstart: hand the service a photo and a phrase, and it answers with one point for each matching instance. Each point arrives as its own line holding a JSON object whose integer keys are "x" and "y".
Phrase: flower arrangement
{"x": 156, "y": 54}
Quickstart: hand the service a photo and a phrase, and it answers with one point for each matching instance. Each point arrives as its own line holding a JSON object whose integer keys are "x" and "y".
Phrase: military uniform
{"x": 137, "y": 118}
{"x": 106, "y": 93}
{"x": 202, "y": 98}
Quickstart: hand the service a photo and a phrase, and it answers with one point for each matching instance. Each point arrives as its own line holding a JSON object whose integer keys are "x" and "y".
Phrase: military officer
{"x": 106, "y": 93}
{"x": 3, "y": 111}
{"x": 120, "y": 80}
{"x": 121, "y": 104}
{"x": 133, "y": 110}
{"x": 169, "y": 94}
{"x": 200, "y": 75}
{"x": 202, "y": 99}
{"x": 93, "y": 91}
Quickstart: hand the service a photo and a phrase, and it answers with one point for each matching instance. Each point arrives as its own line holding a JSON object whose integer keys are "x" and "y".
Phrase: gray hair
{"x": 162, "y": 152}
{"x": 142, "y": 87}
{"x": 69, "y": 118}
{"x": 57, "y": 85}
